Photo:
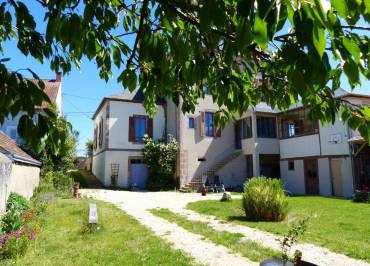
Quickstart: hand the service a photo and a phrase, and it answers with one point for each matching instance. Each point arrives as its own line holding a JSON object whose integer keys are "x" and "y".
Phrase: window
{"x": 291, "y": 165}
{"x": 140, "y": 125}
{"x": 209, "y": 124}
{"x": 191, "y": 123}
{"x": 140, "y": 129}
{"x": 266, "y": 127}
{"x": 295, "y": 123}
{"x": 247, "y": 127}
{"x": 206, "y": 89}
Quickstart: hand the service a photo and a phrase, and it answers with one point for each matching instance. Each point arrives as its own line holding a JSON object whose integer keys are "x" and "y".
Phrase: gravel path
{"x": 204, "y": 251}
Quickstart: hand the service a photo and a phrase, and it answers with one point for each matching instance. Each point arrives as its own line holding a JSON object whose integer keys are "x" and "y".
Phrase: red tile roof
{"x": 51, "y": 89}
{"x": 10, "y": 146}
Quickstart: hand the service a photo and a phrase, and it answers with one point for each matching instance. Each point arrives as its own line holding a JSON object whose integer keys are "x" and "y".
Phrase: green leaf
{"x": 351, "y": 70}
{"x": 319, "y": 40}
{"x": 260, "y": 31}
{"x": 352, "y": 48}
{"x": 128, "y": 79}
{"x": 341, "y": 7}
{"x": 116, "y": 56}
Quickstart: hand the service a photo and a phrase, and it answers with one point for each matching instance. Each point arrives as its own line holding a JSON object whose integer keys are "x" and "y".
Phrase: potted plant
{"x": 286, "y": 244}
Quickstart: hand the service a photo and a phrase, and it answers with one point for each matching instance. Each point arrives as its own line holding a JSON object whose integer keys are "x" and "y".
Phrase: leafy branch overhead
{"x": 283, "y": 50}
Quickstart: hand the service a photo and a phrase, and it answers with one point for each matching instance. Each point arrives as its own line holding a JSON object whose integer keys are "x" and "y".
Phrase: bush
{"x": 160, "y": 157}
{"x": 264, "y": 200}
{"x": 12, "y": 220}
{"x": 56, "y": 182}
{"x": 361, "y": 196}
{"x": 17, "y": 201}
{"x": 14, "y": 245}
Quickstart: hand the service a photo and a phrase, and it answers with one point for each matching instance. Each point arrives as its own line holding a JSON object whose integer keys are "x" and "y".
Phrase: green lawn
{"x": 249, "y": 249}
{"x": 340, "y": 225}
{"x": 122, "y": 241}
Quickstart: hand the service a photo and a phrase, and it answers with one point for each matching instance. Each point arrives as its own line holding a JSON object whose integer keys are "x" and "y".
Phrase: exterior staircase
{"x": 200, "y": 179}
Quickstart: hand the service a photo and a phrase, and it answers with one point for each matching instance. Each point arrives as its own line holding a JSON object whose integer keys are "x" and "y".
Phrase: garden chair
{"x": 209, "y": 186}
{"x": 219, "y": 187}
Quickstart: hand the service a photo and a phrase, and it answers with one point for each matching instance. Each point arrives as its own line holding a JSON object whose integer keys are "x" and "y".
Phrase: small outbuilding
{"x": 19, "y": 172}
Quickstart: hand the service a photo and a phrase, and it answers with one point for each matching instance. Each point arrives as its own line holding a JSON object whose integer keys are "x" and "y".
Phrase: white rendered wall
{"x": 300, "y": 146}
{"x": 98, "y": 166}
{"x": 119, "y": 123}
{"x": 234, "y": 173}
{"x": 327, "y": 132}
{"x": 24, "y": 179}
{"x": 293, "y": 180}
{"x": 325, "y": 187}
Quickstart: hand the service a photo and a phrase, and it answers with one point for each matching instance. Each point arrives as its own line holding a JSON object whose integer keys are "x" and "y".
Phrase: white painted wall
{"x": 325, "y": 187}
{"x": 211, "y": 148}
{"x": 327, "y": 132}
{"x": 234, "y": 173}
{"x": 347, "y": 177}
{"x": 98, "y": 167}
{"x": 300, "y": 146}
{"x": 119, "y": 123}
{"x": 293, "y": 180}
{"x": 24, "y": 179}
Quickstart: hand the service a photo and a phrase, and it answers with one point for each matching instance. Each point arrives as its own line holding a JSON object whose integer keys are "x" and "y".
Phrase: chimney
{"x": 59, "y": 77}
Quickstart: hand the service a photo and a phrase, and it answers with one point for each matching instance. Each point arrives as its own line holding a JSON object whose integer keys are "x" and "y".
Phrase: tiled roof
{"x": 10, "y": 146}
{"x": 51, "y": 89}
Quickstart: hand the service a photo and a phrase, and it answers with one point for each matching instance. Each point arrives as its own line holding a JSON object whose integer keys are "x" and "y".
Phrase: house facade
{"x": 53, "y": 89}
{"x": 310, "y": 158}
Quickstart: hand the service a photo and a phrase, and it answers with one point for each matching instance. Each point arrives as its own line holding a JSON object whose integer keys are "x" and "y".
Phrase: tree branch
{"x": 141, "y": 22}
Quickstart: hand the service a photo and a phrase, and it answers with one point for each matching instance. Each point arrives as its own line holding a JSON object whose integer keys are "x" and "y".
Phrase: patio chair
{"x": 209, "y": 186}
{"x": 219, "y": 187}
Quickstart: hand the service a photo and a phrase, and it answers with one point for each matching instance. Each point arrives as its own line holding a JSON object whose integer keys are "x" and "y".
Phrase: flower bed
{"x": 19, "y": 227}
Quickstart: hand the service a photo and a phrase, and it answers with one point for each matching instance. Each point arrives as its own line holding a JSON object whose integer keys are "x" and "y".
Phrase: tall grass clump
{"x": 264, "y": 199}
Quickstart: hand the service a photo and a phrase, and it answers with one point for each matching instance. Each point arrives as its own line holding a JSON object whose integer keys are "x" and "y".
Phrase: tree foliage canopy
{"x": 283, "y": 50}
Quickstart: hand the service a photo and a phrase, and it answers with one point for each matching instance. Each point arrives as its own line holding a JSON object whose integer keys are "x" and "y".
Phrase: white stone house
{"x": 53, "y": 89}
{"x": 308, "y": 157}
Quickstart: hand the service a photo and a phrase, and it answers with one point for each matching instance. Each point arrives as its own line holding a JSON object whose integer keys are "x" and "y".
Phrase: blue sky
{"x": 83, "y": 89}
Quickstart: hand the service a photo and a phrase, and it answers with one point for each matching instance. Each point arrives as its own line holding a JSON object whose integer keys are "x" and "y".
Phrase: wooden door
{"x": 336, "y": 174}
{"x": 311, "y": 176}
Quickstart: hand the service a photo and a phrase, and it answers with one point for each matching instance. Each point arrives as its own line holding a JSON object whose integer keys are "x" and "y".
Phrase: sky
{"x": 83, "y": 90}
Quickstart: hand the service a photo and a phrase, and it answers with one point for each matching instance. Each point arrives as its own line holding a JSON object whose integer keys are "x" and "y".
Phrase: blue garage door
{"x": 139, "y": 174}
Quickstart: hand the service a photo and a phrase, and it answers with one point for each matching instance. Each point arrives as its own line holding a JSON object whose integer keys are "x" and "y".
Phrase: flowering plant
{"x": 15, "y": 244}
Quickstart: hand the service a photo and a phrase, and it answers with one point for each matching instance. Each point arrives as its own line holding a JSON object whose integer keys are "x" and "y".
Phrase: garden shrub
{"x": 17, "y": 201}
{"x": 57, "y": 182}
{"x": 264, "y": 199}
{"x": 12, "y": 220}
{"x": 15, "y": 244}
{"x": 160, "y": 157}
{"x": 361, "y": 196}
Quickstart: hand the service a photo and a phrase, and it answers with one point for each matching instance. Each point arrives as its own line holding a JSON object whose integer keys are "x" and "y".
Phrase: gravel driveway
{"x": 203, "y": 251}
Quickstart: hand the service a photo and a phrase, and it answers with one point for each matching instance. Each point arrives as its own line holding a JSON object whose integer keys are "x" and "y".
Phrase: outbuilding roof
{"x": 14, "y": 152}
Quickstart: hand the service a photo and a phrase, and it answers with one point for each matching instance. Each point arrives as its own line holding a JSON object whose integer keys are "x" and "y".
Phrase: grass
{"x": 249, "y": 249}
{"x": 122, "y": 241}
{"x": 338, "y": 224}
{"x": 78, "y": 177}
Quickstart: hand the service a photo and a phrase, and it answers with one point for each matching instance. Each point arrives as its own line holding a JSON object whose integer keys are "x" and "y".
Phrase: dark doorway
{"x": 311, "y": 176}
{"x": 270, "y": 165}
{"x": 249, "y": 164}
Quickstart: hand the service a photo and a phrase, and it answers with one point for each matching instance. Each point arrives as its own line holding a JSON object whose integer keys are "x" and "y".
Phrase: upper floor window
{"x": 139, "y": 126}
{"x": 206, "y": 89}
{"x": 209, "y": 124}
{"x": 266, "y": 127}
{"x": 191, "y": 122}
{"x": 295, "y": 124}
{"x": 247, "y": 127}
